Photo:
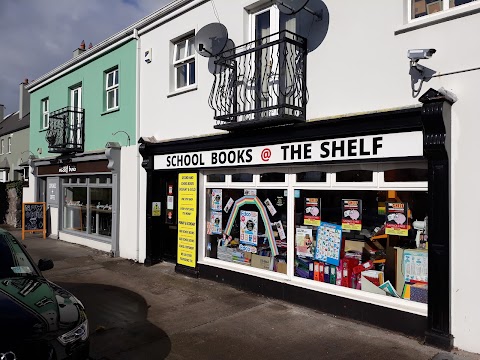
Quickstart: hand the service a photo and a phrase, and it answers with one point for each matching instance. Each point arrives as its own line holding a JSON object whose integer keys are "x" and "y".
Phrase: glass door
{"x": 74, "y": 135}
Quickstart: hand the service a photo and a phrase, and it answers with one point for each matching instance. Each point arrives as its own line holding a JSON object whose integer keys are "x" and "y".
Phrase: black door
{"x": 164, "y": 222}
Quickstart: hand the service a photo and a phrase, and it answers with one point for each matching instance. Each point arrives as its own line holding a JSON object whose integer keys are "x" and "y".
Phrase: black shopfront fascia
{"x": 429, "y": 119}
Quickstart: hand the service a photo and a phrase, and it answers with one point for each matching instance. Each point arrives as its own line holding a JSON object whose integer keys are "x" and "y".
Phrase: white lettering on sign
{"x": 408, "y": 144}
{"x": 67, "y": 169}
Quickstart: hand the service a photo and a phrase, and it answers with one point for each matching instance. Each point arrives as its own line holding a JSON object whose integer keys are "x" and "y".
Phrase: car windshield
{"x": 13, "y": 260}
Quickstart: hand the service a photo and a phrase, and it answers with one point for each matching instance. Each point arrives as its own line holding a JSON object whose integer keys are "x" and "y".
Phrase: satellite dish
{"x": 290, "y": 7}
{"x": 211, "y": 39}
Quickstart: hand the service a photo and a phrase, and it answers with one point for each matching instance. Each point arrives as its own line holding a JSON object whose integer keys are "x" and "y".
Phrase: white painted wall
{"x": 361, "y": 66}
{"x": 128, "y": 203}
{"x": 53, "y": 222}
{"x": 29, "y": 192}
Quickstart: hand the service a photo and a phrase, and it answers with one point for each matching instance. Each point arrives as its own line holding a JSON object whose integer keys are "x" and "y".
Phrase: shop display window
{"x": 87, "y": 204}
{"x": 248, "y": 227}
{"x": 75, "y": 208}
{"x": 101, "y": 211}
{"x": 372, "y": 241}
{"x": 216, "y": 178}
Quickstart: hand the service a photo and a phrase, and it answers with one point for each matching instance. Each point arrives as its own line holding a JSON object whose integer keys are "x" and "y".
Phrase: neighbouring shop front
{"x": 348, "y": 216}
{"x": 82, "y": 196}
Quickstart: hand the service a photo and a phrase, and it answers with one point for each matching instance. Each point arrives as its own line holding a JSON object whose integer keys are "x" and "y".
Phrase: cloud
{"x": 39, "y": 35}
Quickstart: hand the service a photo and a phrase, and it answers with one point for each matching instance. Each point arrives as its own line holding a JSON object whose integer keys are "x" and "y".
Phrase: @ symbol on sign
{"x": 8, "y": 356}
{"x": 266, "y": 154}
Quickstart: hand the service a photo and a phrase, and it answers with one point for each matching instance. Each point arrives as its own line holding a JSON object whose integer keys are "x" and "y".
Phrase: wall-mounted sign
{"x": 81, "y": 167}
{"x": 156, "y": 209}
{"x": 354, "y": 148}
{"x": 187, "y": 220}
{"x": 53, "y": 185}
{"x": 67, "y": 169}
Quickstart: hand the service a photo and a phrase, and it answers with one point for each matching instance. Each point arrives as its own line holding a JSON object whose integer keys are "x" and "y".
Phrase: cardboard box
{"x": 281, "y": 267}
{"x": 261, "y": 262}
{"x": 354, "y": 245}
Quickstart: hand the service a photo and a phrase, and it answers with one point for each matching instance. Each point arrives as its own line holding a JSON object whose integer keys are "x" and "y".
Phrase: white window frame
{"x": 2, "y": 146}
{"x": 45, "y": 113}
{"x": 290, "y": 185}
{"x": 187, "y": 59}
{"x": 445, "y": 6}
{"x": 113, "y": 88}
{"x": 3, "y": 175}
{"x": 9, "y": 145}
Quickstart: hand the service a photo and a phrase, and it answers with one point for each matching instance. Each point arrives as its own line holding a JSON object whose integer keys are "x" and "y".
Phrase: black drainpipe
{"x": 436, "y": 112}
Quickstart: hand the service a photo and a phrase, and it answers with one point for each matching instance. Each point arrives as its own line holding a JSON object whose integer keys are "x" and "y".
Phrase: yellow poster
{"x": 187, "y": 220}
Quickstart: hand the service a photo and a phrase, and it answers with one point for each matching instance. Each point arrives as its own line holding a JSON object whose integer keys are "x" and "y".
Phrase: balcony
{"x": 66, "y": 130}
{"x": 261, "y": 83}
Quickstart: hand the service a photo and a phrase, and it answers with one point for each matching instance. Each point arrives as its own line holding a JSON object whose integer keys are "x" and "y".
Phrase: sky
{"x": 36, "y": 36}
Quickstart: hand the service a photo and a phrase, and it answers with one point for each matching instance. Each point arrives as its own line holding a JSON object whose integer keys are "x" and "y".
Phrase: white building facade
{"x": 361, "y": 87}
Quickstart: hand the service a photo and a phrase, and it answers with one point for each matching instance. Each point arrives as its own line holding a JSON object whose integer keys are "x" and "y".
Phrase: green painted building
{"x": 83, "y": 118}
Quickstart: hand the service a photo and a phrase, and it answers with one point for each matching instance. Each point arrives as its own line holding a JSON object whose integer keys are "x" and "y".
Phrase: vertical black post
{"x": 147, "y": 164}
{"x": 435, "y": 110}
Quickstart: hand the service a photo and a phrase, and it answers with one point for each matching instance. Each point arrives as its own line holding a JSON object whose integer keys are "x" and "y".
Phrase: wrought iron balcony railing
{"x": 66, "y": 130}
{"x": 261, "y": 83}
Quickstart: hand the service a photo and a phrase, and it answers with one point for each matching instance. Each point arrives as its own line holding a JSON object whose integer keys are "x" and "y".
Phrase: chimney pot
{"x": 82, "y": 45}
{"x": 90, "y": 45}
{"x": 25, "y": 81}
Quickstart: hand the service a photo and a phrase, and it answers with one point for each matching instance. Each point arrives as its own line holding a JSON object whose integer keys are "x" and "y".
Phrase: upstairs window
{"x": 111, "y": 89}
{"x": 427, "y": 7}
{"x": 2, "y": 147}
{"x": 45, "y": 113}
{"x": 184, "y": 62}
{"x": 9, "y": 149}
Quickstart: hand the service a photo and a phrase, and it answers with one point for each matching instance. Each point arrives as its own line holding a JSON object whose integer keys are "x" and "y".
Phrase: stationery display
{"x": 397, "y": 219}
{"x": 329, "y": 242}
{"x": 216, "y": 199}
{"x": 311, "y": 214}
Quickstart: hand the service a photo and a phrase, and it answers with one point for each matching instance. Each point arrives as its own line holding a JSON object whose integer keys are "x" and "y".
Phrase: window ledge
{"x": 110, "y": 111}
{"x": 440, "y": 17}
{"x": 183, "y": 90}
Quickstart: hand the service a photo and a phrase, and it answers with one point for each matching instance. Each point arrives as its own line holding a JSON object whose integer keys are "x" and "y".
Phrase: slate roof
{"x": 11, "y": 124}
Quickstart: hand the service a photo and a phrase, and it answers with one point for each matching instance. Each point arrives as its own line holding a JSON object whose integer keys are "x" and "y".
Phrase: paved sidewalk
{"x": 153, "y": 313}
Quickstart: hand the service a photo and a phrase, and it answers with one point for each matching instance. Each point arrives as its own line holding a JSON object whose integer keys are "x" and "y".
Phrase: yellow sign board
{"x": 156, "y": 209}
{"x": 187, "y": 219}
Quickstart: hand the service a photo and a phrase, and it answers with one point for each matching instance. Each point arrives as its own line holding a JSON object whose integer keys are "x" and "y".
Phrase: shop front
{"x": 347, "y": 216}
{"x": 82, "y": 195}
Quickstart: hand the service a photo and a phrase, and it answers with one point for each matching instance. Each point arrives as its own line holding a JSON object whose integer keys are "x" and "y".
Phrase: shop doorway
{"x": 165, "y": 222}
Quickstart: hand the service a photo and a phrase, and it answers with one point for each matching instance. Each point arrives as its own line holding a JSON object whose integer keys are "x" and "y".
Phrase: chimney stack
{"x": 2, "y": 115}
{"x": 24, "y": 105}
{"x": 90, "y": 45}
{"x": 80, "y": 50}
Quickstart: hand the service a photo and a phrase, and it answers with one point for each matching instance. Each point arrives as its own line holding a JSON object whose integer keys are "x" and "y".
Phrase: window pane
{"x": 355, "y": 176}
{"x": 312, "y": 176}
{"x": 406, "y": 175}
{"x": 191, "y": 46}
{"x": 425, "y": 7}
{"x": 180, "y": 50}
{"x": 181, "y": 76}
{"x": 216, "y": 178}
{"x": 75, "y": 209}
{"x": 459, "y": 2}
{"x": 191, "y": 69}
{"x": 110, "y": 99}
{"x": 272, "y": 177}
{"x": 244, "y": 177}
{"x": 244, "y": 234}
{"x": 101, "y": 211}
{"x": 116, "y": 97}
{"x": 116, "y": 77}
{"x": 110, "y": 79}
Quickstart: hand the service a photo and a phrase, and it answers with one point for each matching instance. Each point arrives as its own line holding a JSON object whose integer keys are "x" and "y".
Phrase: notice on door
{"x": 187, "y": 219}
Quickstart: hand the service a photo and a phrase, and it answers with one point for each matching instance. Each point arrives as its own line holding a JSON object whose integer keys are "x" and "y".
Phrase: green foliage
{"x": 17, "y": 185}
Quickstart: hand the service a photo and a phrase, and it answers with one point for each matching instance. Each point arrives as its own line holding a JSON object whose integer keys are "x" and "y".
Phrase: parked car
{"x": 39, "y": 320}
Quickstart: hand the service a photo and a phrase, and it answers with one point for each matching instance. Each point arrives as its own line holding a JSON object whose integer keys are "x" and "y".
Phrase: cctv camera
{"x": 418, "y": 54}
